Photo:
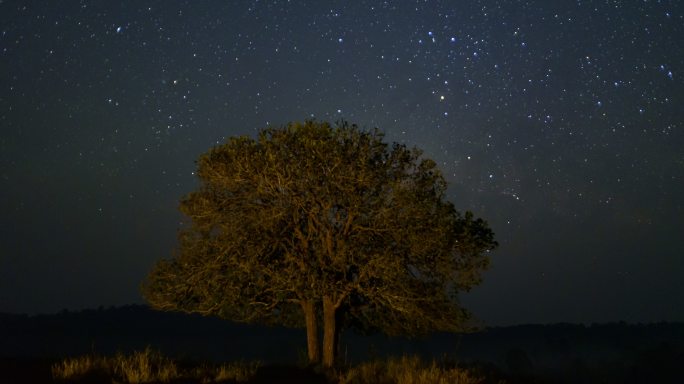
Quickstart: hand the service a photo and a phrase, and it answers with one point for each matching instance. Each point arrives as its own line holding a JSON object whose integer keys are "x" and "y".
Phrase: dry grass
{"x": 78, "y": 366}
{"x": 144, "y": 367}
{"x": 240, "y": 371}
{"x": 149, "y": 366}
{"x": 407, "y": 370}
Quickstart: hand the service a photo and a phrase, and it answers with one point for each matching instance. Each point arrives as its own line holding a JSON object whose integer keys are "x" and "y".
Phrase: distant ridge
{"x": 624, "y": 353}
{"x": 131, "y": 327}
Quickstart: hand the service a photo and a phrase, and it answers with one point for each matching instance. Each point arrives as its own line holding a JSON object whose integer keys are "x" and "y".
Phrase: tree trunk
{"x": 311, "y": 331}
{"x": 339, "y": 322}
{"x": 329, "y": 332}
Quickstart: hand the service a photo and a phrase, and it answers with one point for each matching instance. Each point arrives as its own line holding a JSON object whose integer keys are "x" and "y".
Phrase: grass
{"x": 407, "y": 370}
{"x": 238, "y": 371}
{"x": 149, "y": 366}
{"x": 145, "y": 367}
{"x": 77, "y": 367}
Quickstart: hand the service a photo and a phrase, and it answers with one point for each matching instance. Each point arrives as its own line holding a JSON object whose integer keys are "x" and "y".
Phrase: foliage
{"x": 310, "y": 220}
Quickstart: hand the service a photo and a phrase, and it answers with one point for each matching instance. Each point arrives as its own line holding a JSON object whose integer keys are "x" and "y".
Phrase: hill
{"x": 605, "y": 352}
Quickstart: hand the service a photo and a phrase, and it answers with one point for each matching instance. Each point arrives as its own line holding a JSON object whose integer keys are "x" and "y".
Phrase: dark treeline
{"x": 615, "y": 352}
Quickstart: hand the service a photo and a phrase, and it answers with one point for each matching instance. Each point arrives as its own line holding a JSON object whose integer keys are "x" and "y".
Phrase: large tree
{"x": 314, "y": 224}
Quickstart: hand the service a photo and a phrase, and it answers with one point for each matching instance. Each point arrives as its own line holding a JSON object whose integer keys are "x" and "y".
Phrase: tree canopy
{"x": 313, "y": 224}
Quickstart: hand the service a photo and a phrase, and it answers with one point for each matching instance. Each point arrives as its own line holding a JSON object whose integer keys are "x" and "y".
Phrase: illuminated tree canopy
{"x": 313, "y": 224}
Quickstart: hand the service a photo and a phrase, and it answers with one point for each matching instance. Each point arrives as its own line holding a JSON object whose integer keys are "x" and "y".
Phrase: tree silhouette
{"x": 312, "y": 224}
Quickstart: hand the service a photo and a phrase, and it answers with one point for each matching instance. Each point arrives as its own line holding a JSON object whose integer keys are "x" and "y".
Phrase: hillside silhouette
{"x": 615, "y": 352}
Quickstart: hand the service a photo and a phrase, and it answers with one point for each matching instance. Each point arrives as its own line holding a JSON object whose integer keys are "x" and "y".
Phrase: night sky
{"x": 560, "y": 122}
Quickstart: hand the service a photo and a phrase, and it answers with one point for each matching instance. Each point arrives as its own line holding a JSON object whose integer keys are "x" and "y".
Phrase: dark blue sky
{"x": 560, "y": 122}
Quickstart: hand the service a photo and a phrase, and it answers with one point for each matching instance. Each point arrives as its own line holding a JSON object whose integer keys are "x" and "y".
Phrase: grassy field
{"x": 149, "y": 366}
{"x": 83, "y": 347}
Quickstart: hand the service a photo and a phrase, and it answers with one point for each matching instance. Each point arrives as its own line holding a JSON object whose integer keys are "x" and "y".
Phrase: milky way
{"x": 560, "y": 122}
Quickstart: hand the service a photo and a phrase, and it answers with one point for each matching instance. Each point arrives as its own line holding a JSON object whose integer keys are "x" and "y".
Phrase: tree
{"x": 312, "y": 224}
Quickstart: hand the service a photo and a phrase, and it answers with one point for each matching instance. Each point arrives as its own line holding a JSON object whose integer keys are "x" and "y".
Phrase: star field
{"x": 558, "y": 122}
